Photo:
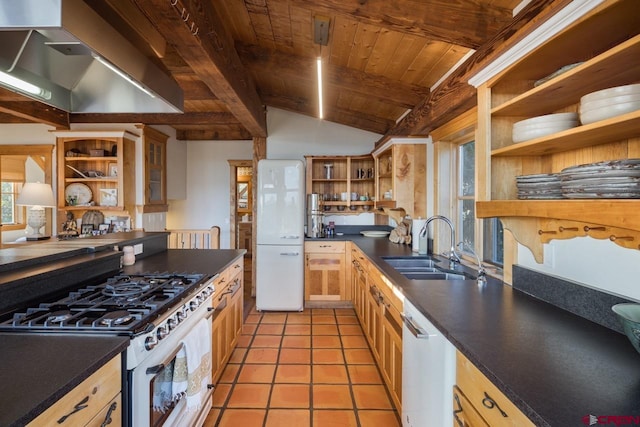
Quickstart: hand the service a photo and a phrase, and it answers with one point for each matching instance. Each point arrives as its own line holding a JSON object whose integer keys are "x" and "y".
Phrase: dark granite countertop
{"x": 555, "y": 366}
{"x": 37, "y": 370}
{"x": 187, "y": 261}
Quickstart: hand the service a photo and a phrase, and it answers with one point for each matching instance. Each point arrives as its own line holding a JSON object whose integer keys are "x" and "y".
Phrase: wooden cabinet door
{"x": 235, "y": 314}
{"x": 374, "y": 320}
{"x": 391, "y": 354}
{"x": 324, "y": 277}
{"x": 220, "y": 334}
{"x": 359, "y": 284}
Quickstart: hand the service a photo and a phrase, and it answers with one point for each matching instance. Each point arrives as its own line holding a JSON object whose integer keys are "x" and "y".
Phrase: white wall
{"x": 598, "y": 263}
{"x": 207, "y": 191}
{"x": 291, "y": 136}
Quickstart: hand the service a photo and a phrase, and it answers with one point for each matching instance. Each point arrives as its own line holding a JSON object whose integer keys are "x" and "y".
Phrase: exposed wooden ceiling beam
{"x": 468, "y": 23}
{"x": 226, "y": 133}
{"x": 196, "y": 30}
{"x": 283, "y": 64}
{"x": 32, "y": 111}
{"x": 348, "y": 118}
{"x": 157, "y": 118}
{"x": 455, "y": 95}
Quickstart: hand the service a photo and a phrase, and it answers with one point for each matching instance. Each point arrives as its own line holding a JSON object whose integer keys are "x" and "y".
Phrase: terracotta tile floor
{"x": 310, "y": 369}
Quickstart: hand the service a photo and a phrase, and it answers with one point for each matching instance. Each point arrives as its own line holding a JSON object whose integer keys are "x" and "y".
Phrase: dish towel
{"x": 162, "y": 393}
{"x": 192, "y": 370}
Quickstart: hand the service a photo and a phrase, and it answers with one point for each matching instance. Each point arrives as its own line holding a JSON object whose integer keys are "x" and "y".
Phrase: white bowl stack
{"x": 607, "y": 103}
{"x": 540, "y": 126}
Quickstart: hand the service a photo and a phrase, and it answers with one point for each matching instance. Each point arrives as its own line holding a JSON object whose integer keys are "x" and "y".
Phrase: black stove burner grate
{"x": 123, "y": 304}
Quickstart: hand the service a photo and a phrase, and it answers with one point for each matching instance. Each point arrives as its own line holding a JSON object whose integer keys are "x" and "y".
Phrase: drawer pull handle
{"x": 413, "y": 327}
{"x": 79, "y": 407}
{"x": 457, "y": 409}
{"x": 107, "y": 418}
{"x": 489, "y": 403}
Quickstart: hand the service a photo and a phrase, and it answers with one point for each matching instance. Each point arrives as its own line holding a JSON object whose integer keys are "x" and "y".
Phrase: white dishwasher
{"x": 428, "y": 372}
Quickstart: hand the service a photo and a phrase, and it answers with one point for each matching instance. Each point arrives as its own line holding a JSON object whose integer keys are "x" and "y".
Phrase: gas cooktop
{"x": 124, "y": 304}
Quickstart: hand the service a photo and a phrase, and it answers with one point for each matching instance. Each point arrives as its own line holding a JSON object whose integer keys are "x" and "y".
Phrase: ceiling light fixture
{"x": 122, "y": 74}
{"x": 320, "y": 109}
{"x": 321, "y": 37}
{"x": 23, "y": 86}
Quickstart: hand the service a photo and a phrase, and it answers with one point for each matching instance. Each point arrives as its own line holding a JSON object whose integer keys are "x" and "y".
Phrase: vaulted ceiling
{"x": 233, "y": 58}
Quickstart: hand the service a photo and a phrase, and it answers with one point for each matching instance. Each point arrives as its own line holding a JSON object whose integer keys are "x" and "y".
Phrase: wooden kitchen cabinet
{"x": 325, "y": 271}
{"x": 155, "y": 170}
{"x": 358, "y": 282}
{"x": 482, "y": 401}
{"x": 107, "y": 161}
{"x": 227, "y": 316}
{"x": 401, "y": 181}
{"x": 378, "y": 310}
{"x": 349, "y": 174}
{"x": 606, "y": 45}
{"x": 464, "y": 414}
{"x": 101, "y": 393}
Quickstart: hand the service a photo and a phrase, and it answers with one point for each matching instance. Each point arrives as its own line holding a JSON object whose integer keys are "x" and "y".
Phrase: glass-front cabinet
{"x": 155, "y": 170}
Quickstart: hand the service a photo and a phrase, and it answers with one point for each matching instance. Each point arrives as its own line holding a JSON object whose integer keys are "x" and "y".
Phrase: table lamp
{"x": 38, "y": 196}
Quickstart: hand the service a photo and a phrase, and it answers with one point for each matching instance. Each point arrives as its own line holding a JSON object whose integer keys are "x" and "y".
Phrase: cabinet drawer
{"x": 485, "y": 397}
{"x": 464, "y": 412}
{"x": 96, "y": 392}
{"x": 324, "y": 247}
{"x": 112, "y": 411}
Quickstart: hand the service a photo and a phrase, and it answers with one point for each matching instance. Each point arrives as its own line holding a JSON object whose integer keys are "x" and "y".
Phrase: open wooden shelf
{"x": 615, "y": 67}
{"x": 602, "y": 132}
{"x": 613, "y": 212}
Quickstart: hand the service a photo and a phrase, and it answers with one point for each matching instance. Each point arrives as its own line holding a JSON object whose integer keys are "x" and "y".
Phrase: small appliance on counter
{"x": 315, "y": 216}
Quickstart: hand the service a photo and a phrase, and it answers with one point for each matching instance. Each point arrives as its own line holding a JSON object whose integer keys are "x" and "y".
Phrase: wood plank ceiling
{"x": 234, "y": 57}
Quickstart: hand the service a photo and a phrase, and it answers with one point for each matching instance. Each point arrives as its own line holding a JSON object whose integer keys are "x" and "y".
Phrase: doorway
{"x": 241, "y": 216}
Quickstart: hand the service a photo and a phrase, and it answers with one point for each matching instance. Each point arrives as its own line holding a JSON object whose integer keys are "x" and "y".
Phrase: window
{"x": 492, "y": 250}
{"x": 466, "y": 194}
{"x": 11, "y": 214}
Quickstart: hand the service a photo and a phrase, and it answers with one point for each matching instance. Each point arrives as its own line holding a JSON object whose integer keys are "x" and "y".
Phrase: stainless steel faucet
{"x": 482, "y": 273}
{"x": 453, "y": 257}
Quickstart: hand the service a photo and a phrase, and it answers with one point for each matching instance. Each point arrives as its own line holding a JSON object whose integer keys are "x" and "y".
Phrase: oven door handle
{"x": 153, "y": 370}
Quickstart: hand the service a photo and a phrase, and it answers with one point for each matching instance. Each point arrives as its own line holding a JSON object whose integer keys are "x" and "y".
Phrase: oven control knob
{"x": 162, "y": 333}
{"x": 172, "y": 323}
{"x": 208, "y": 291}
{"x": 194, "y": 304}
{"x": 182, "y": 314}
{"x": 150, "y": 343}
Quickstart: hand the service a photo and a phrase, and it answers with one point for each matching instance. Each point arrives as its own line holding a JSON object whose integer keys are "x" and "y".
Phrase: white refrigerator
{"x": 280, "y": 235}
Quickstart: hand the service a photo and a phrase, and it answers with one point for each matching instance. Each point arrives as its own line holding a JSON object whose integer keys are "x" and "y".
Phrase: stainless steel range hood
{"x": 69, "y": 54}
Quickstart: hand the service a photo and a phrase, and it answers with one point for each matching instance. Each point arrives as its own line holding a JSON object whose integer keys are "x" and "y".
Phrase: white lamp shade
{"x": 36, "y": 194}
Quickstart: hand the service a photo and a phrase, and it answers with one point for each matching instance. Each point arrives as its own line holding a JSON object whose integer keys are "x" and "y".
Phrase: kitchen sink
{"x": 433, "y": 276}
{"x": 422, "y": 268}
{"x": 409, "y": 262}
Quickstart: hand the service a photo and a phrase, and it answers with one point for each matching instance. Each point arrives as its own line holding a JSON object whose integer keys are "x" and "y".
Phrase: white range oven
{"x": 168, "y": 318}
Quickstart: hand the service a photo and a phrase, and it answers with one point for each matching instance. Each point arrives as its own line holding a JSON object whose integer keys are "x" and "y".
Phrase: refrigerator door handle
{"x": 289, "y": 253}
{"x": 290, "y": 237}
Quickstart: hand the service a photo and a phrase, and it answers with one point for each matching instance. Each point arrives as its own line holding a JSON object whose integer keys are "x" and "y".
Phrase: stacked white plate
{"x": 540, "y": 186}
{"x": 618, "y": 179}
{"x": 608, "y": 103}
{"x": 540, "y": 126}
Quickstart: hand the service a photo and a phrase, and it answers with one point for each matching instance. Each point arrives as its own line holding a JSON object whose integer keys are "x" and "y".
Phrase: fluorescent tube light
{"x": 320, "y": 110}
{"x": 23, "y": 86}
{"x": 123, "y": 75}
